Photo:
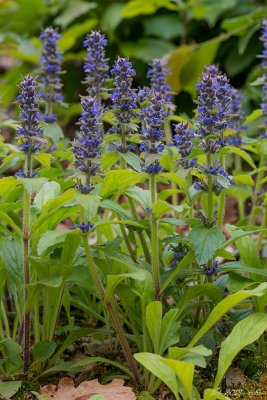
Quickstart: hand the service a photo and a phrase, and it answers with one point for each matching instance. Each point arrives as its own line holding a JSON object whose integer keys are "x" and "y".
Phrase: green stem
{"x": 5, "y": 320}
{"x": 154, "y": 239}
{"x": 210, "y": 191}
{"x": 221, "y": 200}
{"x": 257, "y": 188}
{"x": 111, "y": 307}
{"x": 263, "y": 225}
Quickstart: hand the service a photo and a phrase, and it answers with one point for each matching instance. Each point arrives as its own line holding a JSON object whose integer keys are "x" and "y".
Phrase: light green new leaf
{"x": 244, "y": 333}
{"x": 213, "y": 394}
{"x": 185, "y": 372}
{"x": 153, "y": 322}
{"x": 240, "y": 153}
{"x": 224, "y": 306}
{"x": 49, "y": 191}
{"x": 52, "y": 238}
{"x": 90, "y": 204}
{"x": 154, "y": 363}
{"x": 205, "y": 241}
{"x": 32, "y": 185}
{"x": 169, "y": 331}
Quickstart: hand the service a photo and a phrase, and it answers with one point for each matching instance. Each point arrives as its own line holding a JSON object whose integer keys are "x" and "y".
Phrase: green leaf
{"x": 254, "y": 115}
{"x": 245, "y": 179}
{"x": 52, "y": 239}
{"x": 132, "y": 159}
{"x": 171, "y": 26}
{"x": 73, "y": 11}
{"x": 205, "y": 241}
{"x": 153, "y": 322}
{"x": 42, "y": 351}
{"x": 117, "y": 180}
{"x": 146, "y": 49}
{"x": 4, "y": 217}
{"x": 244, "y": 333}
{"x": 154, "y": 363}
{"x": 137, "y": 7}
{"x": 209, "y": 10}
{"x": 6, "y": 184}
{"x": 224, "y": 306}
{"x": 11, "y": 253}
{"x": 169, "y": 332}
{"x": 89, "y": 203}
{"x": 12, "y": 351}
{"x": 213, "y": 394}
{"x": 53, "y": 131}
{"x": 43, "y": 158}
{"x": 109, "y": 159}
{"x": 8, "y": 389}
{"x": 32, "y": 185}
{"x": 240, "y": 153}
{"x": 175, "y": 178}
{"x": 49, "y": 191}
{"x": 114, "y": 280}
{"x": 112, "y": 17}
{"x": 142, "y": 196}
{"x": 97, "y": 397}
{"x": 185, "y": 372}
{"x": 77, "y": 366}
{"x": 160, "y": 208}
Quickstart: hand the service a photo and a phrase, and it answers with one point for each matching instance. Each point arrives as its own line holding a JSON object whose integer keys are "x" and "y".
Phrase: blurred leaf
{"x": 146, "y": 49}
{"x": 73, "y": 11}
{"x": 170, "y": 26}
{"x": 244, "y": 39}
{"x": 8, "y": 389}
{"x": 176, "y": 60}
{"x": 138, "y": 7}
{"x": 210, "y": 10}
{"x": 71, "y": 35}
{"x": 52, "y": 131}
{"x": 254, "y": 115}
{"x": 112, "y": 17}
{"x": 32, "y": 185}
{"x": 42, "y": 351}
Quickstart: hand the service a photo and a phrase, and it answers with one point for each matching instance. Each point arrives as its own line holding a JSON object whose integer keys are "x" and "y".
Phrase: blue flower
{"x": 29, "y": 132}
{"x": 95, "y": 63}
{"x": 157, "y": 75}
{"x": 183, "y": 140}
{"x": 211, "y": 270}
{"x": 85, "y": 226}
{"x": 237, "y": 118}
{"x": 214, "y": 98}
{"x": 87, "y": 149}
{"x": 212, "y": 70}
{"x": 153, "y": 116}
{"x": 50, "y": 79}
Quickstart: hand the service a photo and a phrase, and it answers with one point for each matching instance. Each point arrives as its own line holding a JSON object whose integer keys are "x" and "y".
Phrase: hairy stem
{"x": 154, "y": 239}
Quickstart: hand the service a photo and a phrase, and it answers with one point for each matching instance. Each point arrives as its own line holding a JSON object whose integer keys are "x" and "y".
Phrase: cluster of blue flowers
{"x": 51, "y": 70}
{"x": 154, "y": 116}
{"x": 95, "y": 64}
{"x": 237, "y": 118}
{"x": 179, "y": 252}
{"x": 157, "y": 74}
{"x": 123, "y": 99}
{"x": 29, "y": 133}
{"x": 87, "y": 149}
{"x": 263, "y": 56}
{"x": 211, "y": 270}
{"x": 183, "y": 140}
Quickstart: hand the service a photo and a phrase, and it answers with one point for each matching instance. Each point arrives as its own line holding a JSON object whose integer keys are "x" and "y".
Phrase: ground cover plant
{"x": 119, "y": 235}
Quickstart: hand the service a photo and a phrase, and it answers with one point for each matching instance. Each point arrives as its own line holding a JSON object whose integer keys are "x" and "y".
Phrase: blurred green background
{"x": 190, "y": 34}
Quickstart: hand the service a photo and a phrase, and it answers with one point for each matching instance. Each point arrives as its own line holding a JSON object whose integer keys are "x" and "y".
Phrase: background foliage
{"x": 191, "y": 33}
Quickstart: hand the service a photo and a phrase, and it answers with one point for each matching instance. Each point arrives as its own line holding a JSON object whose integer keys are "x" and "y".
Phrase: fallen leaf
{"x": 67, "y": 391}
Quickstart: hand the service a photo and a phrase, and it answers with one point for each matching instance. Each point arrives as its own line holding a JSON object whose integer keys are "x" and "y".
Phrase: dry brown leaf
{"x": 67, "y": 391}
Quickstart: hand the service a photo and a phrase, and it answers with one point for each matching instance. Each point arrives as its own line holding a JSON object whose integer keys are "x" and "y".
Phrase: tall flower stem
{"x": 26, "y": 268}
{"x": 221, "y": 200}
{"x": 257, "y": 187}
{"x": 210, "y": 191}
{"x": 154, "y": 239}
{"x": 111, "y": 307}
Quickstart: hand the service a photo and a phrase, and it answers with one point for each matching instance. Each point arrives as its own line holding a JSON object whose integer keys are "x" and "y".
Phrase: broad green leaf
{"x": 171, "y": 26}
{"x": 177, "y": 61}
{"x": 53, "y": 131}
{"x": 254, "y": 115}
{"x": 49, "y": 191}
{"x": 112, "y": 17}
{"x": 238, "y": 266}
{"x": 137, "y": 7}
{"x": 4, "y": 217}
{"x": 160, "y": 208}
{"x": 224, "y": 306}
{"x": 246, "y": 179}
{"x": 114, "y": 280}
{"x": 185, "y": 372}
{"x": 53, "y": 238}
{"x": 142, "y": 196}
{"x": 153, "y": 322}
{"x": 89, "y": 203}
{"x": 115, "y": 207}
{"x": 118, "y": 180}
{"x": 11, "y": 253}
{"x": 43, "y": 158}
{"x": 244, "y": 333}
{"x": 9, "y": 388}
{"x": 32, "y": 185}
{"x": 154, "y": 363}
{"x": 213, "y": 394}
{"x": 97, "y": 397}
{"x": 209, "y": 10}
{"x": 72, "y": 11}
{"x": 109, "y": 159}
{"x": 146, "y": 49}
{"x": 169, "y": 331}
{"x": 12, "y": 351}
{"x": 42, "y": 351}
{"x": 205, "y": 241}
{"x": 175, "y": 178}
{"x": 60, "y": 200}
{"x": 240, "y": 153}
{"x": 132, "y": 159}
{"x": 195, "y": 355}
{"x": 6, "y": 184}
